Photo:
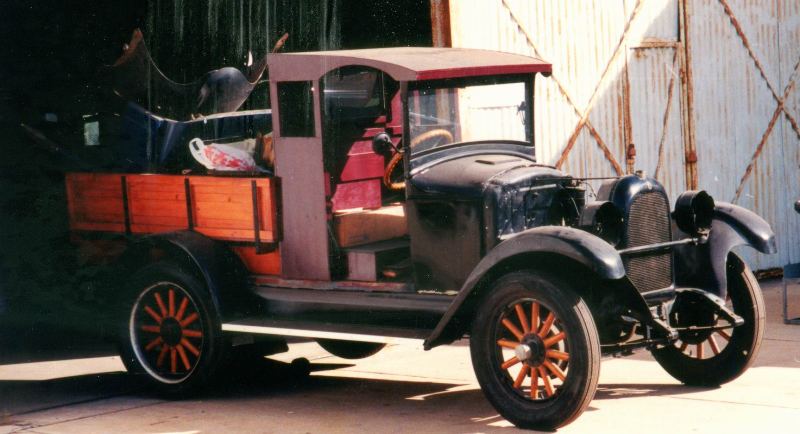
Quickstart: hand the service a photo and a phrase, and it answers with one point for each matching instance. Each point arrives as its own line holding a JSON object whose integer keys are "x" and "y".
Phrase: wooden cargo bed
{"x": 241, "y": 210}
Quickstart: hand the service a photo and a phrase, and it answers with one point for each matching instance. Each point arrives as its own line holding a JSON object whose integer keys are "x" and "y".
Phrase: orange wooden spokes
{"x": 548, "y": 322}
{"x": 555, "y": 354}
{"x": 184, "y": 359}
{"x": 525, "y": 324}
{"x": 502, "y": 342}
{"x": 171, "y": 297}
{"x": 549, "y": 342}
{"x": 684, "y": 345}
{"x": 189, "y": 319}
{"x": 523, "y": 319}
{"x": 192, "y": 333}
{"x": 548, "y": 388}
{"x": 192, "y": 349}
{"x": 521, "y": 376}
{"x": 534, "y": 315}
{"x": 162, "y": 355}
{"x": 713, "y": 344}
{"x": 534, "y": 383}
{"x": 699, "y": 350}
{"x": 151, "y": 329}
{"x": 182, "y": 309}
{"x": 510, "y": 362}
{"x": 724, "y": 335}
{"x": 154, "y": 343}
{"x": 171, "y": 302}
{"x": 153, "y": 314}
{"x": 512, "y": 328}
{"x": 160, "y": 303}
{"x": 554, "y": 369}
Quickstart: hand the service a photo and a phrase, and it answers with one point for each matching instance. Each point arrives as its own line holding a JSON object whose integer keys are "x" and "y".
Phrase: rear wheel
{"x": 535, "y": 350}
{"x": 172, "y": 334}
{"x": 711, "y": 358}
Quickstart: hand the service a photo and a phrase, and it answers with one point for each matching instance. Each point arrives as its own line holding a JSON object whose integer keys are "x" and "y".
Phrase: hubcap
{"x": 523, "y": 352}
{"x": 532, "y": 350}
{"x": 171, "y": 331}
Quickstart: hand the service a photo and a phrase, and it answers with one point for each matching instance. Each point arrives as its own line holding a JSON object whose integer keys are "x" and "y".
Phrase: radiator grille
{"x": 648, "y": 223}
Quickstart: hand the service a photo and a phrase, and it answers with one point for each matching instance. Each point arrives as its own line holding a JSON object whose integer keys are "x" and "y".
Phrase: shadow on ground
{"x": 249, "y": 385}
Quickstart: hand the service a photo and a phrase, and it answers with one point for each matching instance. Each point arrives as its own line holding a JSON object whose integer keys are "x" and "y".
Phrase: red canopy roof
{"x": 405, "y": 63}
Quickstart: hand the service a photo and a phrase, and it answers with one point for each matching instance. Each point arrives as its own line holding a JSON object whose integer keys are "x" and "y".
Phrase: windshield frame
{"x": 406, "y": 89}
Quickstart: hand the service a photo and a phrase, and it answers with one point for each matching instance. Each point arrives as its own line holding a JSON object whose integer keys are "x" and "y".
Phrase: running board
{"x": 344, "y": 332}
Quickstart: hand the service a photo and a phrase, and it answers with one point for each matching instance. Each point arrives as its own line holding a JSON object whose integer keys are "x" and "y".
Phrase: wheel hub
{"x": 171, "y": 331}
{"x": 531, "y": 350}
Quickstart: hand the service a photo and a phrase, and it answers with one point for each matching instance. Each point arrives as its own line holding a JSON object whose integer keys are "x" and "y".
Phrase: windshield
{"x": 444, "y": 113}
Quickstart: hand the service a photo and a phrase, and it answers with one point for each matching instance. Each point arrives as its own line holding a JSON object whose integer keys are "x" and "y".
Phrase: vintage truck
{"x": 400, "y": 212}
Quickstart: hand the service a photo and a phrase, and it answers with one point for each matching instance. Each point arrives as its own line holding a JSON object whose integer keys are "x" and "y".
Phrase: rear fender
{"x": 222, "y": 272}
{"x": 568, "y": 243}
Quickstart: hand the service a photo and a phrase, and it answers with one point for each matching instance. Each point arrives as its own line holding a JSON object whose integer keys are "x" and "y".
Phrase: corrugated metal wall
{"x": 710, "y": 81}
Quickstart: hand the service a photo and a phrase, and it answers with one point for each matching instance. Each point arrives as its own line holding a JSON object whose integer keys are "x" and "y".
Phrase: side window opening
{"x": 296, "y": 105}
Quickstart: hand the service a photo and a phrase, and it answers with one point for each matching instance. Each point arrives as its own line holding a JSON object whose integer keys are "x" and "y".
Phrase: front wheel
{"x": 535, "y": 350}
{"x": 711, "y": 358}
{"x": 172, "y": 335}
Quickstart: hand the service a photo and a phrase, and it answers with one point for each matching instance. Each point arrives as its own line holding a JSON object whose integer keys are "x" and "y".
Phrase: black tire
{"x": 689, "y": 360}
{"x": 349, "y": 349}
{"x": 171, "y": 334}
{"x": 574, "y": 359}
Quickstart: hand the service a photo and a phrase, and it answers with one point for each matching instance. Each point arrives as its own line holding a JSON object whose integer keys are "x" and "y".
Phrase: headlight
{"x": 604, "y": 220}
{"x": 694, "y": 211}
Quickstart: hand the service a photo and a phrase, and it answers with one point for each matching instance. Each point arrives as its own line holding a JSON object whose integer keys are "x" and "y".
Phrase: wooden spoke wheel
{"x": 171, "y": 335}
{"x": 714, "y": 357}
{"x": 166, "y": 333}
{"x": 707, "y": 344}
{"x": 535, "y": 350}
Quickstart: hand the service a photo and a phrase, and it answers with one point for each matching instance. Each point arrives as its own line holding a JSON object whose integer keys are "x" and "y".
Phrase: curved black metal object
{"x": 622, "y": 191}
{"x": 136, "y": 77}
{"x": 732, "y": 226}
{"x": 574, "y": 244}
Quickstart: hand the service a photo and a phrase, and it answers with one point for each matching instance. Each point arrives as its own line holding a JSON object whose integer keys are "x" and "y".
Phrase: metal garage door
{"x": 703, "y": 89}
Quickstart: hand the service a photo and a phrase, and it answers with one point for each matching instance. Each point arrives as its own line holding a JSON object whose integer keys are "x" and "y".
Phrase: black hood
{"x": 469, "y": 176}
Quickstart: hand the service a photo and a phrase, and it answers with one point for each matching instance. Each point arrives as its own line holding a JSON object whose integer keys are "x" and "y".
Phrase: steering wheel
{"x": 398, "y": 156}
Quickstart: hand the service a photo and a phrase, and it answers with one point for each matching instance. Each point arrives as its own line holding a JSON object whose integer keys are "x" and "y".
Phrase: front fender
{"x": 574, "y": 244}
{"x": 732, "y": 226}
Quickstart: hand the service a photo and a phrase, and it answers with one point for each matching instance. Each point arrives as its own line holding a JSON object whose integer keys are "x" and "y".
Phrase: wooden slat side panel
{"x": 223, "y": 208}
{"x": 157, "y": 203}
{"x": 94, "y": 202}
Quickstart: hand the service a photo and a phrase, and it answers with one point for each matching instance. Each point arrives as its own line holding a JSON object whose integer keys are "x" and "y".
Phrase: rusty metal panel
{"x": 735, "y": 63}
{"x": 656, "y": 130}
{"x": 656, "y": 20}
{"x": 580, "y": 110}
{"x": 546, "y": 28}
{"x": 789, "y": 41}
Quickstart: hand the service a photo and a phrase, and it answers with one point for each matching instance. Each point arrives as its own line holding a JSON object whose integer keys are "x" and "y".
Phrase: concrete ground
{"x": 401, "y": 389}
